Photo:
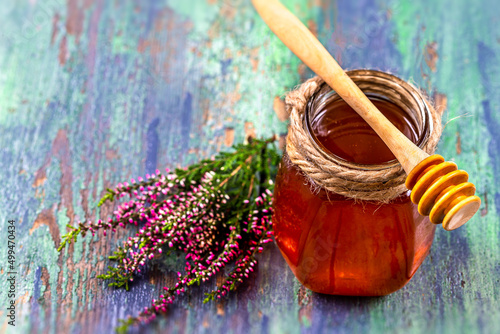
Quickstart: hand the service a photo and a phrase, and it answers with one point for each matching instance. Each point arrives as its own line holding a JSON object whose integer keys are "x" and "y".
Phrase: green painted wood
{"x": 93, "y": 92}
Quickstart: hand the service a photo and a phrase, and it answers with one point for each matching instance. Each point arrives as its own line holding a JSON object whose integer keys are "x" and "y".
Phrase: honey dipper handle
{"x": 304, "y": 45}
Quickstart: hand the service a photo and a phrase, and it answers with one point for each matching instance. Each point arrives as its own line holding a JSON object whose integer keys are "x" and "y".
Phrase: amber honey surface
{"x": 334, "y": 245}
{"x": 344, "y": 133}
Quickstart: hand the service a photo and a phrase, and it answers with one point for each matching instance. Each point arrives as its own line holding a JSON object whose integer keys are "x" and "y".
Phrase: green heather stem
{"x": 216, "y": 211}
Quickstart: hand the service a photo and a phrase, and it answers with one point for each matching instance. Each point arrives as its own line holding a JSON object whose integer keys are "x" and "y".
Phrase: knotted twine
{"x": 369, "y": 185}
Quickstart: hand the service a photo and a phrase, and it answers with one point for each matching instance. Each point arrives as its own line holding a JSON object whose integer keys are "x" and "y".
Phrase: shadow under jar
{"x": 333, "y": 244}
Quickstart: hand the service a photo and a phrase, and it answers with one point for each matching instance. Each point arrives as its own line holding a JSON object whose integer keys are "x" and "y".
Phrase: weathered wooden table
{"x": 93, "y": 92}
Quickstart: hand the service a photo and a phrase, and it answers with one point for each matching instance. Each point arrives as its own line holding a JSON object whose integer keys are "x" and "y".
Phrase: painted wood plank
{"x": 93, "y": 92}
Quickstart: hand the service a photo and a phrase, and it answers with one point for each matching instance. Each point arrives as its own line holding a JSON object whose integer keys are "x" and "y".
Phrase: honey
{"x": 344, "y": 133}
{"x": 333, "y": 244}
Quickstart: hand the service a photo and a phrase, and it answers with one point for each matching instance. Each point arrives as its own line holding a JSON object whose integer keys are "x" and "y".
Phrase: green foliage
{"x": 220, "y": 202}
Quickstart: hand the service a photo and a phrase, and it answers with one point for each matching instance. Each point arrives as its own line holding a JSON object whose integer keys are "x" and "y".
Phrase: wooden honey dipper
{"x": 438, "y": 188}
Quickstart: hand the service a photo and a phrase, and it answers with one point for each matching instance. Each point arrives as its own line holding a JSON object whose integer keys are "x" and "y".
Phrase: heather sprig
{"x": 217, "y": 212}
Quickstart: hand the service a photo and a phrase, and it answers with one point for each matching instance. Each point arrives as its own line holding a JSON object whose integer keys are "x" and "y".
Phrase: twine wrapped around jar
{"x": 370, "y": 185}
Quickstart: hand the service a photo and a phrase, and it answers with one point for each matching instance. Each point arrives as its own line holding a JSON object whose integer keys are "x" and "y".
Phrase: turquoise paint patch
{"x": 200, "y": 13}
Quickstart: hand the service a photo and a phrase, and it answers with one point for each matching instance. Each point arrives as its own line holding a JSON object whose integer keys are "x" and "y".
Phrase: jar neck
{"x": 382, "y": 86}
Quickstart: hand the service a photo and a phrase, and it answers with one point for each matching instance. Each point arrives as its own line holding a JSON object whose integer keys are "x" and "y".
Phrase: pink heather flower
{"x": 190, "y": 215}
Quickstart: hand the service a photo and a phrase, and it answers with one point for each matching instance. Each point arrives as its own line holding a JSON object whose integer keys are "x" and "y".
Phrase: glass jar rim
{"x": 395, "y": 88}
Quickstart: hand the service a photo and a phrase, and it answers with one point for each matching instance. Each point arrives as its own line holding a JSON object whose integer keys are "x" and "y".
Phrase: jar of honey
{"x": 336, "y": 243}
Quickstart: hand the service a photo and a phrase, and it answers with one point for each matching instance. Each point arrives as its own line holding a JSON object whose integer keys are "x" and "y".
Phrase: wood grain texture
{"x": 93, "y": 92}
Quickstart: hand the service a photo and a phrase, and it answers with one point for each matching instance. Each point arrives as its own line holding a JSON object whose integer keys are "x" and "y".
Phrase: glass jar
{"x": 336, "y": 245}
